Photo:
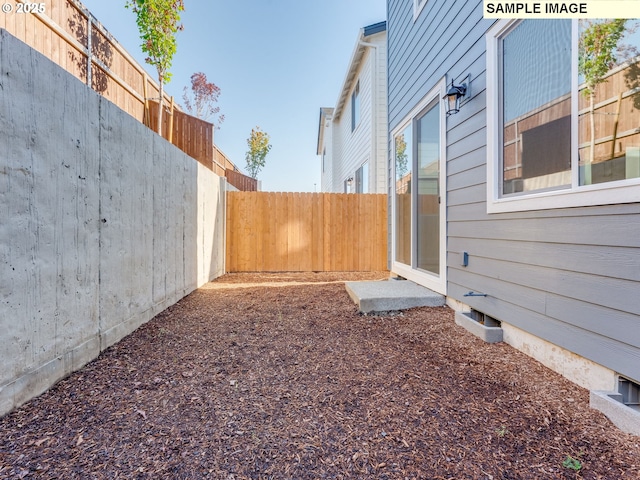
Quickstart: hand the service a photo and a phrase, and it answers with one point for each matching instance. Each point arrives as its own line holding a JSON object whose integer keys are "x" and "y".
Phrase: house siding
{"x": 354, "y": 147}
{"x": 378, "y": 170}
{"x": 367, "y": 143}
{"x": 569, "y": 276}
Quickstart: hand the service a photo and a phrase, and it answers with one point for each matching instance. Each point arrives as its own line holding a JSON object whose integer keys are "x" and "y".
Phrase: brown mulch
{"x": 276, "y": 382}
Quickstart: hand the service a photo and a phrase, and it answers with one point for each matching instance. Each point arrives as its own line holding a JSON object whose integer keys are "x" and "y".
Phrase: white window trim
{"x": 622, "y": 191}
{"x": 437, "y": 283}
{"x": 417, "y": 8}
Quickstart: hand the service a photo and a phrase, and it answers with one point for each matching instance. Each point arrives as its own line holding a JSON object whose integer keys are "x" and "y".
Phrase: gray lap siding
{"x": 569, "y": 276}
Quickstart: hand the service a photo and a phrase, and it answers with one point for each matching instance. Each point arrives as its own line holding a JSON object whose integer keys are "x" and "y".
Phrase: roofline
{"x": 354, "y": 63}
{"x": 324, "y": 112}
{"x": 375, "y": 28}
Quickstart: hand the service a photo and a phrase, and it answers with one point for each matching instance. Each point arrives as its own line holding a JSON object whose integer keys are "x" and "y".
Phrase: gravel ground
{"x": 278, "y": 376}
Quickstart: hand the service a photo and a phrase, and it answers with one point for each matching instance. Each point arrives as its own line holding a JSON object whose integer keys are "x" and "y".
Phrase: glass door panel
{"x": 403, "y": 169}
{"x": 428, "y": 192}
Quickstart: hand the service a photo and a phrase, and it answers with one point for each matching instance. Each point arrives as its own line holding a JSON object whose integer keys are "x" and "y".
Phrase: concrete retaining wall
{"x": 103, "y": 224}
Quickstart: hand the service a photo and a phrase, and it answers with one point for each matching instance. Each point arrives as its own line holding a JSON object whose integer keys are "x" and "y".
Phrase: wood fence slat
{"x": 229, "y": 249}
{"x": 318, "y": 233}
{"x": 282, "y": 235}
{"x": 346, "y": 215}
{"x": 296, "y": 224}
{"x": 349, "y": 214}
{"x": 330, "y": 249}
{"x": 367, "y": 218}
{"x": 292, "y": 243}
{"x": 335, "y": 225}
{"x": 233, "y": 233}
{"x": 261, "y": 227}
{"x": 305, "y": 240}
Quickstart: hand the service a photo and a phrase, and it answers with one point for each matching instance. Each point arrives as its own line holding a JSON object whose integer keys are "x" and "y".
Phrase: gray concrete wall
{"x": 103, "y": 224}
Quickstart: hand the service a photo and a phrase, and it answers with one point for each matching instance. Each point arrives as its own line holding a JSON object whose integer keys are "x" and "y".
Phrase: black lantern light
{"x": 453, "y": 97}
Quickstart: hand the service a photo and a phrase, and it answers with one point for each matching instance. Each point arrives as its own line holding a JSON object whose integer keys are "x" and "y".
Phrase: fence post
{"x": 170, "y": 133}
{"x": 146, "y": 115}
{"x": 89, "y": 50}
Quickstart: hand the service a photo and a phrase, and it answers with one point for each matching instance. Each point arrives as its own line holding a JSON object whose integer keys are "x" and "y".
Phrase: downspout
{"x": 374, "y": 118}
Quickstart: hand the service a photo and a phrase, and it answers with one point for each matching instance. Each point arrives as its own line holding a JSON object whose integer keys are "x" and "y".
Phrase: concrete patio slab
{"x": 391, "y": 295}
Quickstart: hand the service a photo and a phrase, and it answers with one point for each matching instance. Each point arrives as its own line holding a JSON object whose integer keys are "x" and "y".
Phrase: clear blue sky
{"x": 276, "y": 62}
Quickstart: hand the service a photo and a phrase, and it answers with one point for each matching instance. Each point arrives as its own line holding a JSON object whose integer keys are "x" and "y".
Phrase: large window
{"x": 536, "y": 106}
{"x": 561, "y": 132}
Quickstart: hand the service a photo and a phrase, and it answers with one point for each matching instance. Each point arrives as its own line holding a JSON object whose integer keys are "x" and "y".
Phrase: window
{"x": 355, "y": 107}
{"x": 536, "y": 106}
{"x": 418, "y": 5}
{"x": 550, "y": 143}
{"x": 362, "y": 179}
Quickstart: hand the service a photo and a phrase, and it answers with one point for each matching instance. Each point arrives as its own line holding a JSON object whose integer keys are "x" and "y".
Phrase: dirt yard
{"x": 278, "y": 377}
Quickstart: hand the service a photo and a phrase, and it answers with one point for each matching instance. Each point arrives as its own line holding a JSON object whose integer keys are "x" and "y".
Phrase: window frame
{"x": 576, "y": 195}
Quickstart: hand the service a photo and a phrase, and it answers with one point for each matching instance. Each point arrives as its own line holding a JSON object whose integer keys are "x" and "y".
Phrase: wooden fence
{"x": 191, "y": 135}
{"x": 271, "y": 232}
{"x": 241, "y": 182}
{"x": 67, "y": 33}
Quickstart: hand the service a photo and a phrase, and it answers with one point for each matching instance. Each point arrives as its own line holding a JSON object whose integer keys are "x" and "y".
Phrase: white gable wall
{"x": 352, "y": 149}
{"x": 378, "y": 180}
{"x": 347, "y": 151}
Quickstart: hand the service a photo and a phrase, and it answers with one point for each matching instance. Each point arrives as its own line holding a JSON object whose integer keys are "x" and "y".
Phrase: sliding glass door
{"x": 419, "y": 233}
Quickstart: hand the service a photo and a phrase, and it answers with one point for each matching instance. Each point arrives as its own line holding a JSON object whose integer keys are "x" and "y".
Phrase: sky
{"x": 277, "y": 62}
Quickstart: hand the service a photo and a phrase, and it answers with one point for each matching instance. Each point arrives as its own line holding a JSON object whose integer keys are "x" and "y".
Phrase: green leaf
{"x": 158, "y": 22}
{"x": 572, "y": 463}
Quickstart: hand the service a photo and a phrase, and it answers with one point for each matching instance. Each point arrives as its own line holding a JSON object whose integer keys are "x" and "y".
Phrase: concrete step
{"x": 391, "y": 295}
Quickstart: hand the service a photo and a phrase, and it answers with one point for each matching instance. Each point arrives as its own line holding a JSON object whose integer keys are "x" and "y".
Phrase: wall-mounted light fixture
{"x": 455, "y": 94}
{"x": 350, "y": 181}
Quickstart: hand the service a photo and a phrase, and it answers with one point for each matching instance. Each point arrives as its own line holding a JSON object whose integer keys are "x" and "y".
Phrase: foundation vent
{"x": 484, "y": 319}
{"x": 630, "y": 392}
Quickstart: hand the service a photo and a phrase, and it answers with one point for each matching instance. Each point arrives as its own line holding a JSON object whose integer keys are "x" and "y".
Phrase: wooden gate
{"x": 306, "y": 232}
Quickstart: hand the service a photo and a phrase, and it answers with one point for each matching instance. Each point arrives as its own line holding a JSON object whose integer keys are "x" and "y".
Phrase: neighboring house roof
{"x": 354, "y": 65}
{"x": 375, "y": 28}
{"x": 325, "y": 114}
